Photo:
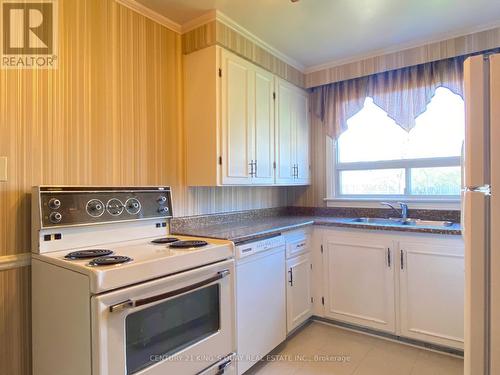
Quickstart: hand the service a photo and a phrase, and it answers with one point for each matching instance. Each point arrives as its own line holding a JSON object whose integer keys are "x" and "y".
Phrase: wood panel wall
{"x": 15, "y": 322}
{"x": 216, "y": 32}
{"x": 111, "y": 114}
{"x": 462, "y": 45}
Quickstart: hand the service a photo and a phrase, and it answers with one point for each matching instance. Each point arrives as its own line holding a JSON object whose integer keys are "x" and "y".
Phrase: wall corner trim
{"x": 151, "y": 14}
{"x": 205, "y": 18}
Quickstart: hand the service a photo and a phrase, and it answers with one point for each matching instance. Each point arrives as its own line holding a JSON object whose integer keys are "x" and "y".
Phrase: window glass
{"x": 436, "y": 181}
{"x": 377, "y": 181}
{"x": 427, "y": 158}
{"x": 371, "y": 136}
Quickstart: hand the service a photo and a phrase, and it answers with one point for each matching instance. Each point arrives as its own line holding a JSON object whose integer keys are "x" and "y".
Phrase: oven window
{"x": 162, "y": 330}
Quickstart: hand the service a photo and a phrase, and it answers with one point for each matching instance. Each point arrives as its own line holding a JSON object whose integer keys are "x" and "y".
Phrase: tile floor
{"x": 322, "y": 349}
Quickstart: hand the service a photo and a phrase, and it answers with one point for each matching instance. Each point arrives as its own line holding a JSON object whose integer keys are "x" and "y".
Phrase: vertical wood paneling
{"x": 111, "y": 114}
{"x": 108, "y": 115}
{"x": 463, "y": 45}
{"x": 15, "y": 322}
{"x": 199, "y": 38}
{"x": 216, "y": 32}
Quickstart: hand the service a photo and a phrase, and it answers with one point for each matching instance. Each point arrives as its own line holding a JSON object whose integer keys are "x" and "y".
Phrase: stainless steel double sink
{"x": 406, "y": 222}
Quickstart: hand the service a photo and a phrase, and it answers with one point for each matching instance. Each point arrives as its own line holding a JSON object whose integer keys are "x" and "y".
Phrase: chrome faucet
{"x": 404, "y": 209}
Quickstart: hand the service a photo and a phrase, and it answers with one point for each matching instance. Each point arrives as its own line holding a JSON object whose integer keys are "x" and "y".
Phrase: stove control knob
{"x": 55, "y": 217}
{"x": 133, "y": 206}
{"x": 115, "y": 207}
{"x": 163, "y": 210}
{"x": 162, "y": 199}
{"x": 54, "y": 203}
{"x": 95, "y": 207}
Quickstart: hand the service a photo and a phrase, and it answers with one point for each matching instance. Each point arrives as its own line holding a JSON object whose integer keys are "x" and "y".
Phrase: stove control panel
{"x": 68, "y": 206}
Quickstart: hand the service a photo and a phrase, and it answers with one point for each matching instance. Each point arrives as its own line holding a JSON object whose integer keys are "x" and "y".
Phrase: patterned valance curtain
{"x": 403, "y": 93}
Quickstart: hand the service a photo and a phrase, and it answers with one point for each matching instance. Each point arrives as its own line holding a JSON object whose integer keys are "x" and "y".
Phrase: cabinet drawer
{"x": 296, "y": 247}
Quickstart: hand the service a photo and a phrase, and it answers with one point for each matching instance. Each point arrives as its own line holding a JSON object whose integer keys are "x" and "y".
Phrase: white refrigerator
{"x": 481, "y": 215}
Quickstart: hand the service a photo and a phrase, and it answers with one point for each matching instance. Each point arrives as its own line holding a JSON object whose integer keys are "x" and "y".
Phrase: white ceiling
{"x": 315, "y": 32}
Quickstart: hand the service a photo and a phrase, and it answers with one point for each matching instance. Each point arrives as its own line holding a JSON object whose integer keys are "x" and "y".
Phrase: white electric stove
{"x": 114, "y": 293}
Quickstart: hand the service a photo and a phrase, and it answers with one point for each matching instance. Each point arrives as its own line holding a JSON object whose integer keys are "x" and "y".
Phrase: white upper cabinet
{"x": 263, "y": 129}
{"x": 302, "y": 138}
{"x": 292, "y": 135}
{"x": 233, "y": 134}
{"x": 237, "y": 118}
{"x": 284, "y": 135}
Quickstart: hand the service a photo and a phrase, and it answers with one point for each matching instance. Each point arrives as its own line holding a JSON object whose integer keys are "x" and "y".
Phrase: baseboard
{"x": 390, "y": 336}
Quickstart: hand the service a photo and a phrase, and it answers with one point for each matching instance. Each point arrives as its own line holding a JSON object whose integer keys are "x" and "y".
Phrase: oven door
{"x": 180, "y": 324}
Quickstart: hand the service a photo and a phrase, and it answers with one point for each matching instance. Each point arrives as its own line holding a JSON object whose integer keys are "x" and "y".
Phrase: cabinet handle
{"x": 402, "y": 260}
{"x": 389, "y": 257}
{"x": 251, "y": 168}
{"x": 290, "y": 271}
{"x": 297, "y": 175}
{"x": 255, "y": 168}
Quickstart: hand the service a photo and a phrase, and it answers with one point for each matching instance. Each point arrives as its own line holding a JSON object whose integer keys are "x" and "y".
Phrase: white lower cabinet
{"x": 298, "y": 292}
{"x": 359, "y": 280}
{"x": 431, "y": 289}
{"x": 408, "y": 284}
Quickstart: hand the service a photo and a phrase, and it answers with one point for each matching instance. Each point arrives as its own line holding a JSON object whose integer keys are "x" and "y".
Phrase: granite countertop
{"x": 257, "y": 227}
{"x": 246, "y": 230}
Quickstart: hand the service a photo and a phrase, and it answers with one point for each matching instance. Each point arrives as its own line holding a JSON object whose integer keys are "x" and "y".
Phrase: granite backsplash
{"x": 444, "y": 215}
{"x": 182, "y": 224}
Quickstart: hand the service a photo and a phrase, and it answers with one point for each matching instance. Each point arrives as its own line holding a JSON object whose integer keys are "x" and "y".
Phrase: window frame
{"x": 334, "y": 167}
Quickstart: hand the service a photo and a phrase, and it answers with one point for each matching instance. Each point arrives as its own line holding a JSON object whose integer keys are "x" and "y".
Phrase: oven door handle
{"x": 145, "y": 301}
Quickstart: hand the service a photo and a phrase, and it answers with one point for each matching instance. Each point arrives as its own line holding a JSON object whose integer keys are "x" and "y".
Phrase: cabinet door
{"x": 302, "y": 136}
{"x": 284, "y": 133}
{"x": 299, "y": 306}
{"x": 432, "y": 290}
{"x": 359, "y": 281}
{"x": 263, "y": 130}
{"x": 237, "y": 119}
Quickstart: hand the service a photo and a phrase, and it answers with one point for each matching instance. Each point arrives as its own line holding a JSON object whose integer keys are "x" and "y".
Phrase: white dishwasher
{"x": 260, "y": 299}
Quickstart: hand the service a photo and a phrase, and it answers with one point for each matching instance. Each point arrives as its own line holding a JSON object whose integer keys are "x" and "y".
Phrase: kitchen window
{"x": 376, "y": 158}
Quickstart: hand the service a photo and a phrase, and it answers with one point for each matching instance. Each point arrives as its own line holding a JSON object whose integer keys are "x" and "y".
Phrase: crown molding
{"x": 151, "y": 14}
{"x": 221, "y": 17}
{"x": 205, "y": 18}
{"x": 216, "y": 15}
{"x": 401, "y": 47}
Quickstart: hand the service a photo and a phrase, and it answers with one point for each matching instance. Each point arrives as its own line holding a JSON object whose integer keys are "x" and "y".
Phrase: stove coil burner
{"x": 165, "y": 240}
{"x": 109, "y": 260}
{"x": 188, "y": 244}
{"x": 85, "y": 254}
